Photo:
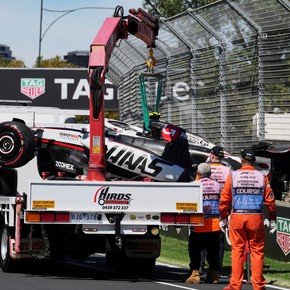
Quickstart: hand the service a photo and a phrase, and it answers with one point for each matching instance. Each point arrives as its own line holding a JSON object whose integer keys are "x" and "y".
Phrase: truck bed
{"x": 96, "y": 204}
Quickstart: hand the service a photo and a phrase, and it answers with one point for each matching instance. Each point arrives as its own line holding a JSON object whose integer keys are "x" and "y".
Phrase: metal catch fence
{"x": 226, "y": 69}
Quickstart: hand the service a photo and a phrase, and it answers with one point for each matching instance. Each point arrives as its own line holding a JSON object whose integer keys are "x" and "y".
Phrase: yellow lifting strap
{"x": 151, "y": 60}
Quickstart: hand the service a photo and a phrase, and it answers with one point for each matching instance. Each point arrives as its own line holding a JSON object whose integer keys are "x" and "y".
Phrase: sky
{"x": 20, "y": 25}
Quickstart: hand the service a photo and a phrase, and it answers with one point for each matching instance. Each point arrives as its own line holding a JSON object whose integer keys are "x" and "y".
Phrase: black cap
{"x": 248, "y": 154}
{"x": 217, "y": 151}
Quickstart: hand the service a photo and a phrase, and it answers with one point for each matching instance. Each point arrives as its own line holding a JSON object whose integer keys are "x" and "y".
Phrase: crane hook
{"x": 151, "y": 60}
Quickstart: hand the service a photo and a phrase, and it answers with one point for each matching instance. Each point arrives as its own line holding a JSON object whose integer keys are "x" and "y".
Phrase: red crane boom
{"x": 143, "y": 26}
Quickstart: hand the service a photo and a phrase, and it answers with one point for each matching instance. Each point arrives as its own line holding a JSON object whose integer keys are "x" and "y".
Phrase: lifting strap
{"x": 155, "y": 115}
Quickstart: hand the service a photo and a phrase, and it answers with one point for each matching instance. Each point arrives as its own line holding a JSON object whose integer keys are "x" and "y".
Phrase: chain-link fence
{"x": 226, "y": 69}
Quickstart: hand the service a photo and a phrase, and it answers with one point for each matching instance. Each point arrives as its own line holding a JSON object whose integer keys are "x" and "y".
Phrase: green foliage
{"x": 277, "y": 95}
{"x": 84, "y": 119}
{"x": 112, "y": 115}
{"x": 11, "y": 63}
{"x": 168, "y": 8}
{"x": 55, "y": 62}
{"x": 174, "y": 251}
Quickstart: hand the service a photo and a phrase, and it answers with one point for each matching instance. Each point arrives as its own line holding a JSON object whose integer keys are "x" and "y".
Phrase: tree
{"x": 11, "y": 63}
{"x": 168, "y": 8}
{"x": 55, "y": 62}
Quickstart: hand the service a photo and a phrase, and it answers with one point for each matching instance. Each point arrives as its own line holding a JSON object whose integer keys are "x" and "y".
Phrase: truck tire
{"x": 7, "y": 263}
{"x": 17, "y": 144}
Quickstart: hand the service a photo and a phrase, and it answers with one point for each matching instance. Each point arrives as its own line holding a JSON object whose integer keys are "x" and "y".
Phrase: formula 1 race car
{"x": 166, "y": 154}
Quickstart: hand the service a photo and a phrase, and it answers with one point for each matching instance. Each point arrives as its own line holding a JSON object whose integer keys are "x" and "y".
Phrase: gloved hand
{"x": 223, "y": 224}
{"x": 272, "y": 227}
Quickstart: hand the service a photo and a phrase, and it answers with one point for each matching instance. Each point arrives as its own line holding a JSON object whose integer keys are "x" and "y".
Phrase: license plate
{"x": 84, "y": 217}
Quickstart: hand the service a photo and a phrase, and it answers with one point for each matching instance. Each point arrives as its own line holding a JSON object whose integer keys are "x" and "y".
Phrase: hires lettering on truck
{"x": 103, "y": 197}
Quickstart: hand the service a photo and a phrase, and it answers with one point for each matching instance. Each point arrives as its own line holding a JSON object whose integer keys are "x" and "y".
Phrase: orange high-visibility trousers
{"x": 243, "y": 228}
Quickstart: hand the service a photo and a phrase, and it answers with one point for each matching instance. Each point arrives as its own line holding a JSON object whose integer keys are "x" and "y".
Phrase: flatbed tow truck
{"x": 51, "y": 217}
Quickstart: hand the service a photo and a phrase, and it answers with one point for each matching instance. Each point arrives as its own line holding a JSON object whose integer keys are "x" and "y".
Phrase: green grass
{"x": 174, "y": 251}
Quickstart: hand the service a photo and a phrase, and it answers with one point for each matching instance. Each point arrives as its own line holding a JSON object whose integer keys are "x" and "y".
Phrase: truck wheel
{"x": 17, "y": 144}
{"x": 7, "y": 263}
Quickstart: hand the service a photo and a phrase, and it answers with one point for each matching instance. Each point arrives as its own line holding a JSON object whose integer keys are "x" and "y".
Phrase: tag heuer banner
{"x": 283, "y": 234}
{"x": 32, "y": 88}
{"x": 61, "y": 88}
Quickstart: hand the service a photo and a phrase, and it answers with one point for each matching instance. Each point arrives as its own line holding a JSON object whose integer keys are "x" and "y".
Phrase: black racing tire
{"x": 17, "y": 144}
{"x": 7, "y": 263}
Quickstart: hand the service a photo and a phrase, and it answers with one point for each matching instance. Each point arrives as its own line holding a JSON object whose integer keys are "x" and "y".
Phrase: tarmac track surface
{"x": 91, "y": 273}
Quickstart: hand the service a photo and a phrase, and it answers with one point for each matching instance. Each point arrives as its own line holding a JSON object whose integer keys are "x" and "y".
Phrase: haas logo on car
{"x": 104, "y": 197}
{"x": 141, "y": 162}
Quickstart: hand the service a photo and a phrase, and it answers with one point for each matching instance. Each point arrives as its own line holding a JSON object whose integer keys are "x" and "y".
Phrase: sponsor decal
{"x": 283, "y": 234}
{"x": 134, "y": 162}
{"x": 112, "y": 200}
{"x": 43, "y": 204}
{"x": 132, "y": 217}
{"x": 198, "y": 141}
{"x": 186, "y": 206}
{"x": 155, "y": 217}
{"x": 64, "y": 165}
{"x": 96, "y": 144}
{"x": 69, "y": 136}
{"x": 171, "y": 132}
{"x": 32, "y": 87}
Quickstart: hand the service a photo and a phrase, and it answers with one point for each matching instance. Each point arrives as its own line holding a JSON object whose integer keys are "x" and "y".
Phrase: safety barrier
{"x": 225, "y": 66}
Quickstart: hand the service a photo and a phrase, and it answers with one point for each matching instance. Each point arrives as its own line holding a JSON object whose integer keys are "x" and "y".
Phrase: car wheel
{"x": 17, "y": 144}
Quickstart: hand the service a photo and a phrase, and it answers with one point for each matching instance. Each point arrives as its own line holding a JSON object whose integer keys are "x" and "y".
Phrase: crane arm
{"x": 143, "y": 26}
